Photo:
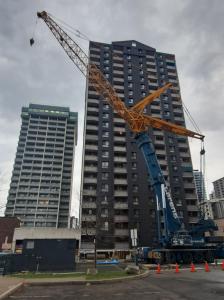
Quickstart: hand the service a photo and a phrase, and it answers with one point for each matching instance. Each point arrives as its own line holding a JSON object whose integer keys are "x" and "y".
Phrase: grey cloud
{"x": 193, "y": 30}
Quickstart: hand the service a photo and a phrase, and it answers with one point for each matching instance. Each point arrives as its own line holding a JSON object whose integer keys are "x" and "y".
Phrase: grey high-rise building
{"x": 200, "y": 186}
{"x": 41, "y": 184}
{"x": 219, "y": 188}
{"x": 116, "y": 191}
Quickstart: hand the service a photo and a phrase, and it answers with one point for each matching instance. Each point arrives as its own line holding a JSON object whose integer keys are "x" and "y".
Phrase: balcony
{"x": 89, "y": 193}
{"x": 90, "y": 169}
{"x": 121, "y": 181}
{"x": 120, "y": 149}
{"x": 120, "y": 218}
{"x": 91, "y": 147}
{"x": 120, "y": 170}
{"x": 88, "y": 204}
{"x": 192, "y": 208}
{"x": 121, "y": 232}
{"x": 191, "y": 196}
{"x": 91, "y": 137}
{"x": 91, "y": 158}
{"x": 118, "y": 193}
{"x": 120, "y": 205}
{"x": 93, "y": 109}
{"x": 193, "y": 219}
{"x": 89, "y": 218}
{"x": 120, "y": 159}
{"x": 88, "y": 231}
{"x": 119, "y": 139}
{"x": 119, "y": 121}
{"x": 119, "y": 129}
{"x": 90, "y": 180}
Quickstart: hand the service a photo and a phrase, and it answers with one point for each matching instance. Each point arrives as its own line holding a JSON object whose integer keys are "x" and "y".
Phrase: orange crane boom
{"x": 134, "y": 117}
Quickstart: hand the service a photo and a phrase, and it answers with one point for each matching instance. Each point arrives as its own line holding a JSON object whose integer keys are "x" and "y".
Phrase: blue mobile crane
{"x": 175, "y": 243}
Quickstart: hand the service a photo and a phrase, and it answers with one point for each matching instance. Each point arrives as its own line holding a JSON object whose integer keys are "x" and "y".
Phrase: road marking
{"x": 22, "y": 297}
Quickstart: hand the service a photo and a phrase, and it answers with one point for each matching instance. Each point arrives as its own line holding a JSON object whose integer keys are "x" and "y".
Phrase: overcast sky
{"x": 192, "y": 30}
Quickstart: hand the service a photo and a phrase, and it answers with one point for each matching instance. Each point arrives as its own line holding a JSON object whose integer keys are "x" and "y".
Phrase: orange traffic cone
{"x": 158, "y": 270}
{"x": 222, "y": 266}
{"x": 207, "y": 267}
{"x": 177, "y": 268}
{"x": 193, "y": 267}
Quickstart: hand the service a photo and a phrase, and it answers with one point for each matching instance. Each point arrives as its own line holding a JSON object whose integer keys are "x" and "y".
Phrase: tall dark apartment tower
{"x": 116, "y": 191}
{"x": 41, "y": 184}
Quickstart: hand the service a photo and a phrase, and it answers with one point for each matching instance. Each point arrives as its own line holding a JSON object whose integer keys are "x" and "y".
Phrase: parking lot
{"x": 165, "y": 286}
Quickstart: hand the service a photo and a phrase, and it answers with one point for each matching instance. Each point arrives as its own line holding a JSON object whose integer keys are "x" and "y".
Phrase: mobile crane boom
{"x": 137, "y": 121}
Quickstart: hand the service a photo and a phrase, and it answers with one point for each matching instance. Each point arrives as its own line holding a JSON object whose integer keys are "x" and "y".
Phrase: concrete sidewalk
{"x": 9, "y": 285}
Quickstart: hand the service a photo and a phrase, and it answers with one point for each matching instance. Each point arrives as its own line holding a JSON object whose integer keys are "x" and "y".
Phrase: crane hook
{"x": 31, "y": 42}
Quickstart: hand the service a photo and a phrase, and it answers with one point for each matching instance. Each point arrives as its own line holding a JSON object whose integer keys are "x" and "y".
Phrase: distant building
{"x": 219, "y": 188}
{"x": 41, "y": 184}
{"x": 200, "y": 185}
{"x": 214, "y": 209}
{"x": 7, "y": 227}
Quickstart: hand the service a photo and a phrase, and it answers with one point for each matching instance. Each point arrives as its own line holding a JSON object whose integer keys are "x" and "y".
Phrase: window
{"x": 105, "y": 187}
{"x": 105, "y": 143}
{"x": 129, "y": 77}
{"x": 134, "y": 176}
{"x": 105, "y": 226}
{"x": 30, "y": 245}
{"x": 130, "y": 101}
{"x": 130, "y": 84}
{"x": 130, "y": 93}
{"x": 105, "y": 153}
{"x": 134, "y": 165}
{"x": 105, "y": 176}
{"x": 135, "y": 188}
{"x": 105, "y": 134}
{"x": 105, "y": 124}
{"x": 135, "y": 200}
{"x": 133, "y": 155}
{"x": 105, "y": 164}
{"x": 106, "y": 106}
{"x": 105, "y": 115}
{"x": 133, "y": 44}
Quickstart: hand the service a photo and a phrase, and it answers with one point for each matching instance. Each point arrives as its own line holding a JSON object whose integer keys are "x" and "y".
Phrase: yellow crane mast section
{"x": 134, "y": 117}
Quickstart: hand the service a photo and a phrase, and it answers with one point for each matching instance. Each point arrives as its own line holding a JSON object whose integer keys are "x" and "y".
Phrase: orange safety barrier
{"x": 207, "y": 267}
{"x": 177, "y": 268}
{"x": 158, "y": 270}
{"x": 193, "y": 267}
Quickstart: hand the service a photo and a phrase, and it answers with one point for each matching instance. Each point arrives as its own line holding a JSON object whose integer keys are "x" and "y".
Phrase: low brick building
{"x": 7, "y": 227}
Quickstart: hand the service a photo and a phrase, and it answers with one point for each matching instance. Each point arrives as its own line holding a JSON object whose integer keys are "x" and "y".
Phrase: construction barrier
{"x": 177, "y": 268}
{"x": 193, "y": 267}
{"x": 158, "y": 270}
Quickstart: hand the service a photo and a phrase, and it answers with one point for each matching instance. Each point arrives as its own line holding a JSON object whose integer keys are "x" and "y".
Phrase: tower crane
{"x": 138, "y": 122}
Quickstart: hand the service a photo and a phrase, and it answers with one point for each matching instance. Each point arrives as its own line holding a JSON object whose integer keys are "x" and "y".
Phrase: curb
{"x": 11, "y": 290}
{"x": 83, "y": 282}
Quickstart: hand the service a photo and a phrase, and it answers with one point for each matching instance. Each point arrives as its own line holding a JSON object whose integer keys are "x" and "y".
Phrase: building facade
{"x": 219, "y": 188}
{"x": 116, "y": 191}
{"x": 200, "y": 186}
{"x": 41, "y": 183}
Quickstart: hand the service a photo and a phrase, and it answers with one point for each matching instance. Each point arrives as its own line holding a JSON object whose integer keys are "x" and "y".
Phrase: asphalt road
{"x": 165, "y": 286}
